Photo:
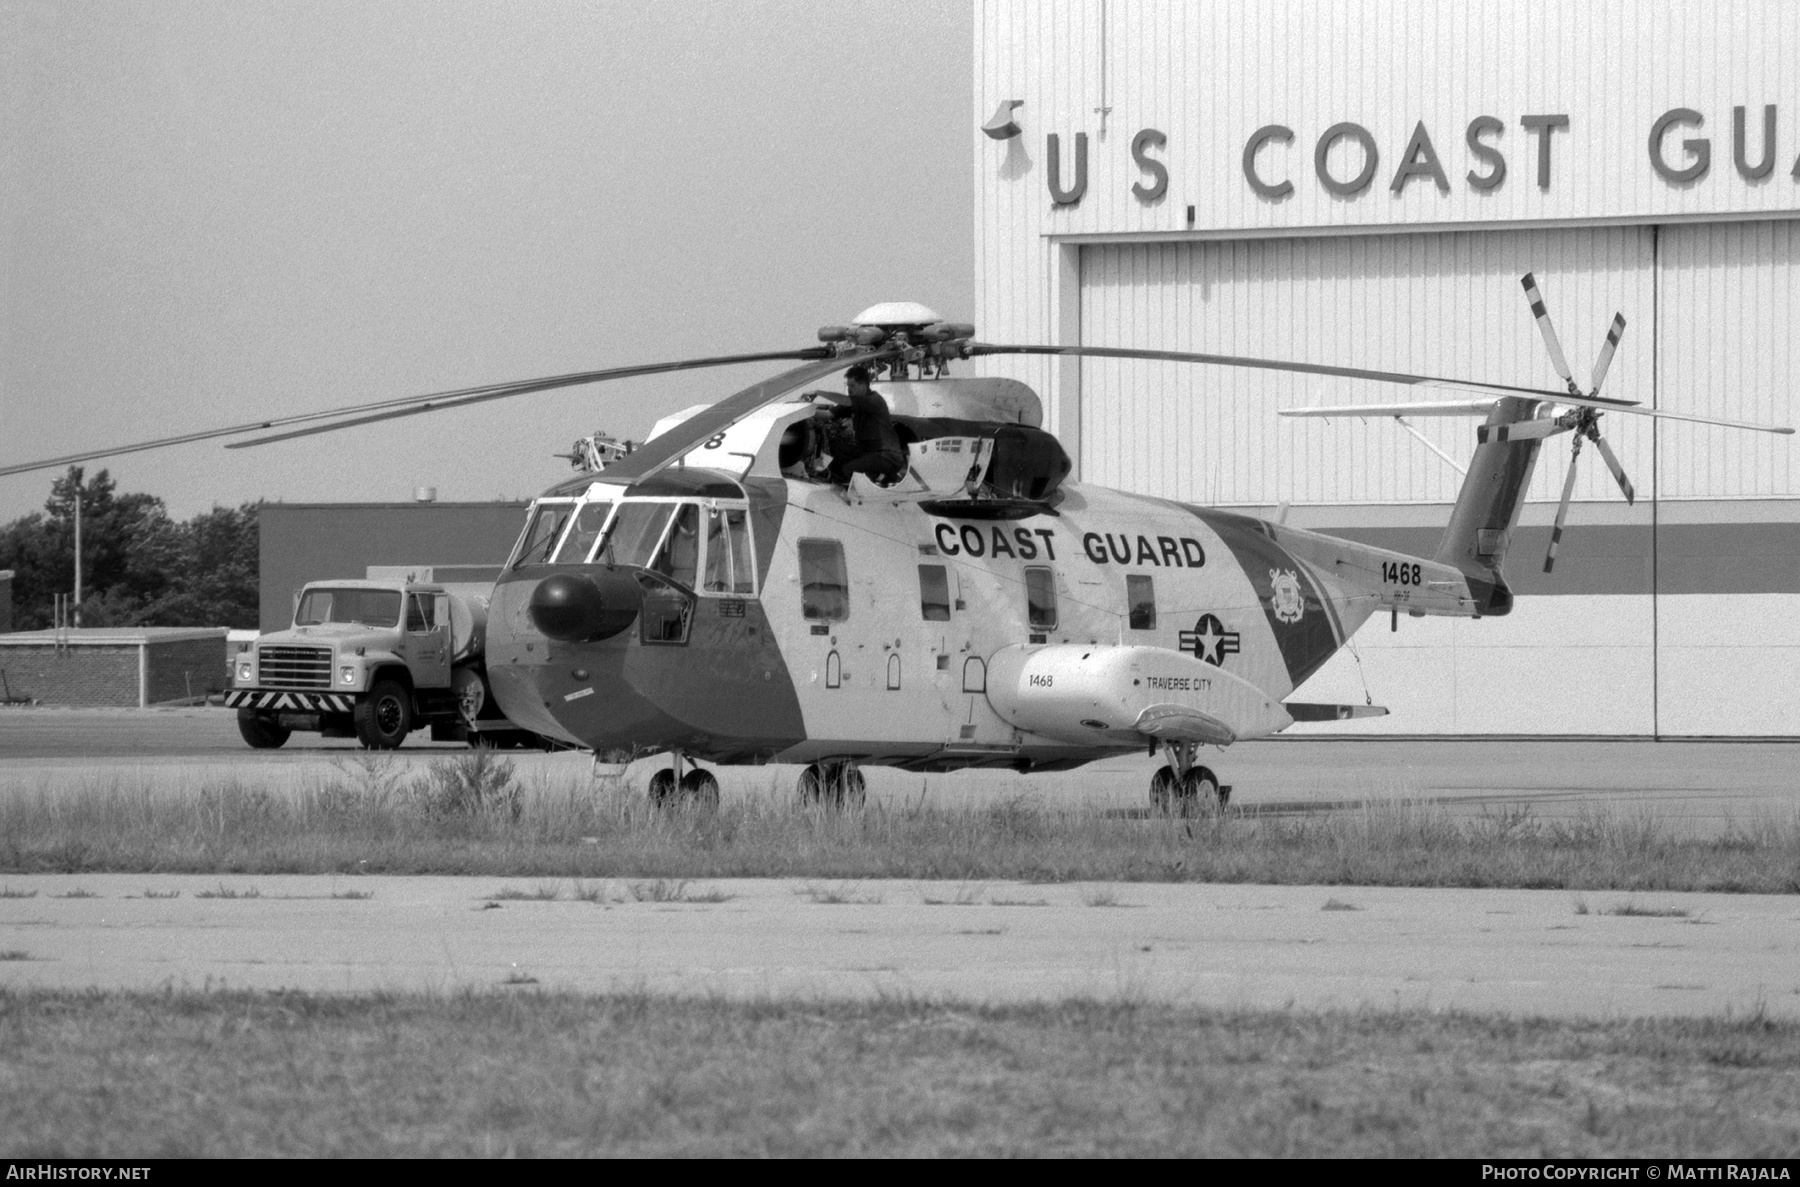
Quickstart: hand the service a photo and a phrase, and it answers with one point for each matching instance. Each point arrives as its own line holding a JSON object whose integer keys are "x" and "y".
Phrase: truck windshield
{"x": 370, "y": 607}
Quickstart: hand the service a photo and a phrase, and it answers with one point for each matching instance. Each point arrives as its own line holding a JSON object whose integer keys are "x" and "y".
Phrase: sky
{"x": 212, "y": 212}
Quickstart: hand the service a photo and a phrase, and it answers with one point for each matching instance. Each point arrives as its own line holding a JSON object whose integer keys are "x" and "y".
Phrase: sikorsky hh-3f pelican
{"x": 723, "y": 593}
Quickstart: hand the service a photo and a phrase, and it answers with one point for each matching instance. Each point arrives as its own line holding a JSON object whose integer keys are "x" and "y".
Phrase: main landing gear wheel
{"x": 833, "y": 785}
{"x": 696, "y": 788}
{"x": 262, "y": 733}
{"x": 384, "y": 717}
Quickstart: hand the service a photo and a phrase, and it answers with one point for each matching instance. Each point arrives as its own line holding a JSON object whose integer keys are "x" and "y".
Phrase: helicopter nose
{"x": 584, "y": 607}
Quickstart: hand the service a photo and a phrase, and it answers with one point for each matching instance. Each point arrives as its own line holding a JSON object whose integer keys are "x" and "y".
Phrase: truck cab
{"x": 373, "y": 659}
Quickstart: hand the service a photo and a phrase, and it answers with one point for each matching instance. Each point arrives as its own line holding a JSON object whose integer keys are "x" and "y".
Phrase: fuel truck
{"x": 376, "y": 659}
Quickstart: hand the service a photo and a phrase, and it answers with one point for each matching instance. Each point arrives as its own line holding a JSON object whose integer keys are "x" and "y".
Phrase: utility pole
{"x": 77, "y": 553}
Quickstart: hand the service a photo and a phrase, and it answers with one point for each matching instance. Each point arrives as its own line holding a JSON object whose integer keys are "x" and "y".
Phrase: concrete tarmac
{"x": 1518, "y": 952}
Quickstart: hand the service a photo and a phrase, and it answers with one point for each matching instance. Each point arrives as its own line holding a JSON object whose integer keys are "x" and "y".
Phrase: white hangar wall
{"x": 1675, "y": 616}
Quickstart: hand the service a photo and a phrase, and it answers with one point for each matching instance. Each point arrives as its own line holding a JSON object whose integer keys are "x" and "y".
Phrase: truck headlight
{"x": 347, "y": 674}
{"x": 245, "y": 672}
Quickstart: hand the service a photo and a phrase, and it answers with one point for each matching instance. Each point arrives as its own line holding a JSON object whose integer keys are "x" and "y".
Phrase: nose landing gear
{"x": 1183, "y": 787}
{"x": 833, "y": 785}
{"x": 672, "y": 787}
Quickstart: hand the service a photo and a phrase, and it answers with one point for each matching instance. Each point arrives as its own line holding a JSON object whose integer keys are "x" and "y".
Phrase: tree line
{"x": 139, "y": 567}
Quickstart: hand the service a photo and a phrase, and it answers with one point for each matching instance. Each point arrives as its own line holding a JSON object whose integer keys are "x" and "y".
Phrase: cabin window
{"x": 934, "y": 593}
{"x": 541, "y": 534}
{"x": 824, "y": 586}
{"x": 730, "y": 565}
{"x": 418, "y": 613}
{"x": 679, "y": 557}
{"x": 580, "y": 538}
{"x": 1140, "y": 601}
{"x": 1040, "y": 598}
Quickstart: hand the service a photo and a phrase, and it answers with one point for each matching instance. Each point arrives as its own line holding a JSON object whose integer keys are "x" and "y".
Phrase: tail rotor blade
{"x": 1612, "y": 463}
{"x": 1549, "y": 331}
{"x": 1562, "y": 509}
{"x": 1606, "y": 352}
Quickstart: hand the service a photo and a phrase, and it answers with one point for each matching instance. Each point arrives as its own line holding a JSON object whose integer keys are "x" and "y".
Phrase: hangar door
{"x": 1431, "y": 303}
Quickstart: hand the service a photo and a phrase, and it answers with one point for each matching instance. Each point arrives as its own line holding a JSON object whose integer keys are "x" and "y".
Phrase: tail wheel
{"x": 261, "y": 732}
{"x": 700, "y": 788}
{"x": 384, "y": 717}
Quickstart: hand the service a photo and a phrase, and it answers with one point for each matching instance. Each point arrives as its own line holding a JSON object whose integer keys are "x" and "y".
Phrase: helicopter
{"x": 712, "y": 594}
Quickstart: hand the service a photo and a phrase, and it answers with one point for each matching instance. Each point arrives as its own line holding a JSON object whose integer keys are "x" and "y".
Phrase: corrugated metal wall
{"x": 1436, "y": 304}
{"x": 1727, "y": 346}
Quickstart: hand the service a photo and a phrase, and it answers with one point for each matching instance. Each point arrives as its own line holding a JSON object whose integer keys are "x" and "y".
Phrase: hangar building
{"x": 1365, "y": 184}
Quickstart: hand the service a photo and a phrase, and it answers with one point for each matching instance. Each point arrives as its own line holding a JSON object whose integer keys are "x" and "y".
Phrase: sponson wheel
{"x": 1200, "y": 791}
{"x": 1162, "y": 789}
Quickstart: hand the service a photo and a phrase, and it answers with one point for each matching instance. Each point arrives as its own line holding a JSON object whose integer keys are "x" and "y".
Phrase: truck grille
{"x": 293, "y": 667}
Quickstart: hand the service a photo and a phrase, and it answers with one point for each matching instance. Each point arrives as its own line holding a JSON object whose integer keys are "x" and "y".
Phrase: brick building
{"x": 114, "y": 666}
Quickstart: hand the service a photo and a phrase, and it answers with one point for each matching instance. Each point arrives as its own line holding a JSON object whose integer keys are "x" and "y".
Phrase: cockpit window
{"x": 679, "y": 557}
{"x": 636, "y": 531}
{"x": 580, "y": 538}
{"x": 541, "y": 535}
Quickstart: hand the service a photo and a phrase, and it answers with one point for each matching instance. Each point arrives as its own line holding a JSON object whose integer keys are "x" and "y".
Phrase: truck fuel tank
{"x": 1087, "y": 693}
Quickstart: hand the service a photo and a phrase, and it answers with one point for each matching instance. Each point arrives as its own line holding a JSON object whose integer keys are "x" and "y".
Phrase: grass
{"x": 520, "y": 1071}
{"x": 225, "y": 891}
{"x": 1649, "y": 912}
{"x": 472, "y": 816}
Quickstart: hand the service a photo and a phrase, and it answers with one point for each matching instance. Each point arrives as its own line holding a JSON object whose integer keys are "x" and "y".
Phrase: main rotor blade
{"x": 1418, "y": 408}
{"x": 658, "y": 453}
{"x": 1604, "y": 361}
{"x": 1562, "y": 508}
{"x": 1549, "y": 331}
{"x": 447, "y": 400}
{"x": 1612, "y": 463}
{"x": 1401, "y": 377}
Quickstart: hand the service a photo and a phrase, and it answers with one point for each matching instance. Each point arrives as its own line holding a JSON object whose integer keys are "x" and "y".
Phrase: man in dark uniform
{"x": 879, "y": 453}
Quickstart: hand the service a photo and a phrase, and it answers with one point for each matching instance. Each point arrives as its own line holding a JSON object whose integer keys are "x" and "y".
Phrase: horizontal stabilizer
{"x": 1306, "y": 712}
{"x": 1520, "y": 430}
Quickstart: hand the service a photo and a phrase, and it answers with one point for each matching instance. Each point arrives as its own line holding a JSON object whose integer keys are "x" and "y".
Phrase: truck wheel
{"x": 384, "y": 716}
{"x": 260, "y": 733}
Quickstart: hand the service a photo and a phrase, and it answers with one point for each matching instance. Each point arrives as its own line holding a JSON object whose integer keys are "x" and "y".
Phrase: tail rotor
{"x": 1583, "y": 422}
